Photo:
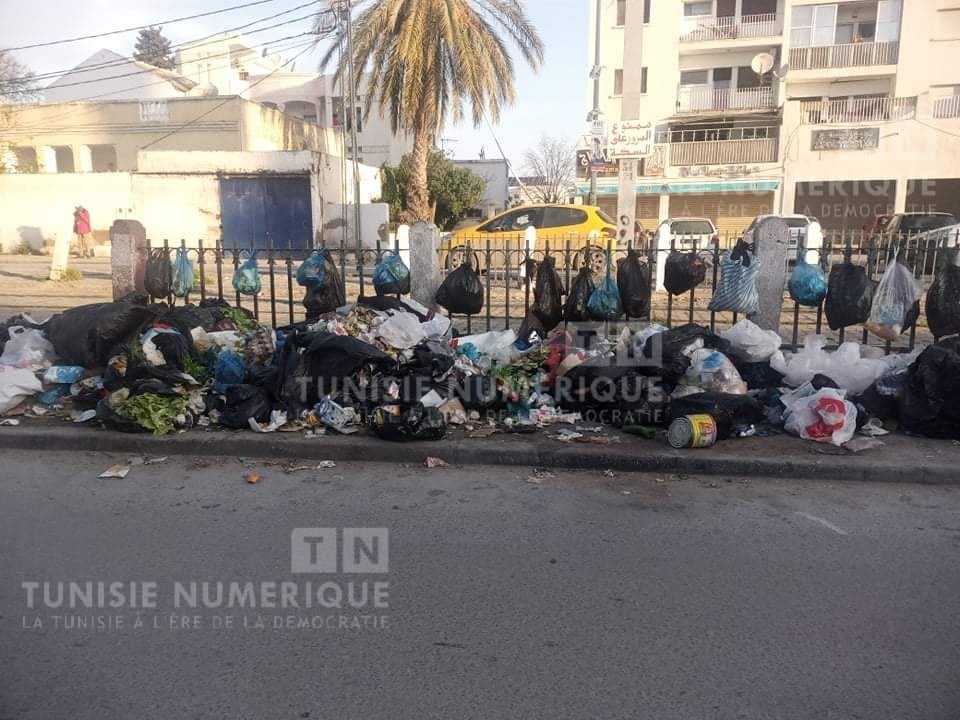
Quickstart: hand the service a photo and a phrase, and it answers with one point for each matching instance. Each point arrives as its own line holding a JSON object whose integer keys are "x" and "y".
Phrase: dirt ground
{"x": 25, "y": 288}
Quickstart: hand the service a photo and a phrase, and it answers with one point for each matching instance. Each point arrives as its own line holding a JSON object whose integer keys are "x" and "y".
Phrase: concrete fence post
{"x": 425, "y": 276}
{"x": 128, "y": 256}
{"x": 772, "y": 239}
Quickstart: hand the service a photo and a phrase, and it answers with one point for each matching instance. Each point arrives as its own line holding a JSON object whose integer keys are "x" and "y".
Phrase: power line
{"x": 138, "y": 27}
{"x": 216, "y": 107}
{"x": 191, "y": 44}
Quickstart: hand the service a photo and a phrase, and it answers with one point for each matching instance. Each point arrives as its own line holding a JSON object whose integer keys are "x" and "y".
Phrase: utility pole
{"x": 595, "y": 113}
{"x": 346, "y": 16}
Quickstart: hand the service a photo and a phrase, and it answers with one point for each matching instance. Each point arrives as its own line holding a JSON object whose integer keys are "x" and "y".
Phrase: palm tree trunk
{"x": 418, "y": 193}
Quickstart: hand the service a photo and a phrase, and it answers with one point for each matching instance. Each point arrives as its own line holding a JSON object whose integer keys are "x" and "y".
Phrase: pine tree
{"x": 152, "y": 47}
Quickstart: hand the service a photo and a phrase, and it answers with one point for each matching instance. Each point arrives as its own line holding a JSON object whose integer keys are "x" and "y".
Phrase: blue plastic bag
{"x": 807, "y": 284}
{"x": 313, "y": 271}
{"x": 182, "y": 272}
{"x": 391, "y": 276}
{"x": 736, "y": 290}
{"x": 246, "y": 278}
{"x": 605, "y": 302}
{"x": 229, "y": 369}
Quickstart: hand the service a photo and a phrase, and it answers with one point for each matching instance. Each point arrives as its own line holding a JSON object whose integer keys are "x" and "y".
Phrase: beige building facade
{"x": 858, "y": 116}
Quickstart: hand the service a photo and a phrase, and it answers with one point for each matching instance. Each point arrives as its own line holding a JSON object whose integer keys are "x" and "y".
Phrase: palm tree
{"x": 425, "y": 59}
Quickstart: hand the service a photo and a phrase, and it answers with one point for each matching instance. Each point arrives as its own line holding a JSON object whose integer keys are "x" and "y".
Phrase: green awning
{"x": 685, "y": 188}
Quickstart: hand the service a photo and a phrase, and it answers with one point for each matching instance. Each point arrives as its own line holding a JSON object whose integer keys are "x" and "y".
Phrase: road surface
{"x": 507, "y": 594}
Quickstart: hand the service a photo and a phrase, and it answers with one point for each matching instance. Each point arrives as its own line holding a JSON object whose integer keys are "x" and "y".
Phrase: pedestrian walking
{"x": 83, "y": 237}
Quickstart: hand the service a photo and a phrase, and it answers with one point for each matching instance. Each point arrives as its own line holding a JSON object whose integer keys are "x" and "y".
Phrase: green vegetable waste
{"x": 154, "y": 412}
{"x": 239, "y": 318}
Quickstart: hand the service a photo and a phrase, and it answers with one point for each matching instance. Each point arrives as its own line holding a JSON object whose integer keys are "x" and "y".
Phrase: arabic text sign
{"x": 629, "y": 139}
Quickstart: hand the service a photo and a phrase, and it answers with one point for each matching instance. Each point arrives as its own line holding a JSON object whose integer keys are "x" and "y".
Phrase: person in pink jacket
{"x": 82, "y": 231}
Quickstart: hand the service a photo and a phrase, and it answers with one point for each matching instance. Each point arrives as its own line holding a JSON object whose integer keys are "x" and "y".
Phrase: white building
{"x": 496, "y": 174}
{"x": 860, "y": 114}
{"x": 106, "y": 75}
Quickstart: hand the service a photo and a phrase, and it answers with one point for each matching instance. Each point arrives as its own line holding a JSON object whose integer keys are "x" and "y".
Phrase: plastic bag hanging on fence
{"x": 943, "y": 298}
{"x": 576, "y": 308}
{"x": 736, "y": 289}
{"x": 182, "y": 274}
{"x": 246, "y": 278}
{"x": 849, "y": 296}
{"x": 683, "y": 272}
{"x": 807, "y": 285}
{"x": 633, "y": 279}
{"x": 605, "y": 303}
{"x": 325, "y": 291}
{"x": 548, "y": 294}
{"x": 461, "y": 292}
{"x": 391, "y": 276}
{"x": 157, "y": 278}
{"x": 895, "y": 303}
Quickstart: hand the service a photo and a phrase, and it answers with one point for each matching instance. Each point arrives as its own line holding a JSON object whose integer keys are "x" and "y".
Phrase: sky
{"x": 549, "y": 102}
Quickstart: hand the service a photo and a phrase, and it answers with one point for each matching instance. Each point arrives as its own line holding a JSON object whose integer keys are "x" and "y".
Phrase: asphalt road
{"x": 577, "y": 596}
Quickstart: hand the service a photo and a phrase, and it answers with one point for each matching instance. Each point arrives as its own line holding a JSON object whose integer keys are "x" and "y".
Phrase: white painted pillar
{"x": 900, "y": 198}
{"x": 664, "y": 210}
{"x": 425, "y": 276}
{"x": 46, "y": 159}
{"x": 82, "y": 159}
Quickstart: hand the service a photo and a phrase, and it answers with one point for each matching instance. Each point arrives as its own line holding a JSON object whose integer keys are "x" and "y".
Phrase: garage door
{"x": 731, "y": 213}
{"x": 648, "y": 209}
{"x": 845, "y": 205}
{"x": 257, "y": 210}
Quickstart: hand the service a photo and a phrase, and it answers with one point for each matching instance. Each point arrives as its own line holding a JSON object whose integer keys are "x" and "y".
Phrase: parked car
{"x": 919, "y": 236}
{"x": 908, "y": 225}
{"x": 803, "y": 228}
{"x": 875, "y": 230}
{"x": 588, "y": 229}
{"x": 685, "y": 232}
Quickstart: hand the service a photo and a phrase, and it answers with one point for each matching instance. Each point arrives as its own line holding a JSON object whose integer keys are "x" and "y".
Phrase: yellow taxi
{"x": 585, "y": 229}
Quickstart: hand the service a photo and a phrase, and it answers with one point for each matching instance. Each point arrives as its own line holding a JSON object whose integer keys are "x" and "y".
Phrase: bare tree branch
{"x": 551, "y": 167}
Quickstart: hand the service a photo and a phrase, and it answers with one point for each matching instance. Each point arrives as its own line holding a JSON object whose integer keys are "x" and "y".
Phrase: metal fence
{"x": 508, "y": 270}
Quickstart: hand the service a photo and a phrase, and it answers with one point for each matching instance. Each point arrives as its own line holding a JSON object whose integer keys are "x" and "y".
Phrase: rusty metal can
{"x": 693, "y": 431}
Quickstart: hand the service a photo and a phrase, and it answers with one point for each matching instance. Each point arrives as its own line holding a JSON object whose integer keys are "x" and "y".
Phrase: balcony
{"x": 701, "y": 98}
{"x": 856, "y": 110}
{"x": 724, "y": 152}
{"x": 948, "y": 107}
{"x": 708, "y": 27}
{"x": 845, "y": 56}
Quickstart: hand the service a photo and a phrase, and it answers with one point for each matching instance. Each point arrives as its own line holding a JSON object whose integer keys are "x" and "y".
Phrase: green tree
{"x": 427, "y": 59}
{"x": 153, "y": 48}
{"x": 451, "y": 190}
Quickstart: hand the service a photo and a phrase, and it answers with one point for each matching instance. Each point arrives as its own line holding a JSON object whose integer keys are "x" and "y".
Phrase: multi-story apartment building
{"x": 859, "y": 114}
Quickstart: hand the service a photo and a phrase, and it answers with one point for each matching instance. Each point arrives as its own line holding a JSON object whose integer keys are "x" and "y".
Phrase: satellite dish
{"x": 762, "y": 63}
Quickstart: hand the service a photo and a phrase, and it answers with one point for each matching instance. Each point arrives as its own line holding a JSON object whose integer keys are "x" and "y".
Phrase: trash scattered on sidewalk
{"x": 539, "y": 475}
{"x": 435, "y": 462}
{"x": 115, "y": 471}
{"x": 861, "y": 444}
{"x": 253, "y": 478}
{"x": 9, "y": 422}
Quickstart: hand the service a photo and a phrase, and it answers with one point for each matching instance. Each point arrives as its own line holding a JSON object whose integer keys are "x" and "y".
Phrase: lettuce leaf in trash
{"x": 154, "y": 412}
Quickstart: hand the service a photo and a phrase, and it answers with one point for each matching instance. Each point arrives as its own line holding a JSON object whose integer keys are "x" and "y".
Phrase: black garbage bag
{"x": 548, "y": 294}
{"x": 383, "y": 303}
{"x": 324, "y": 289}
{"x": 633, "y": 280}
{"x": 479, "y": 392}
{"x": 881, "y": 399}
{"x": 665, "y": 350}
{"x": 86, "y": 335}
{"x": 112, "y": 420}
{"x": 930, "y": 403}
{"x": 313, "y": 364}
{"x": 431, "y": 358}
{"x": 943, "y": 297}
{"x": 821, "y": 381}
{"x": 728, "y": 410}
{"x": 175, "y": 347}
{"x": 158, "y": 277}
{"x": 849, "y": 296}
{"x": 416, "y": 423}
{"x": 683, "y": 272}
{"x": 243, "y": 402}
{"x": 583, "y": 286}
{"x": 611, "y": 394}
{"x": 461, "y": 292}
{"x": 759, "y": 375}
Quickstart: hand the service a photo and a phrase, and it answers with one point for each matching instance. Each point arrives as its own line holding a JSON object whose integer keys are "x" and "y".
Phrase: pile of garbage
{"x": 399, "y": 370}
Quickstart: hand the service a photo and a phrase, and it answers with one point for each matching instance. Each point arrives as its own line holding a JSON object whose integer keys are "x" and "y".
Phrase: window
{"x": 696, "y": 9}
{"x": 618, "y": 82}
{"x": 646, "y": 11}
{"x": 747, "y": 78}
{"x": 814, "y": 26}
{"x": 692, "y": 227}
{"x": 643, "y": 81}
{"x": 154, "y": 111}
{"x": 516, "y": 221}
{"x": 888, "y": 20}
{"x": 695, "y": 77}
{"x": 554, "y": 217}
{"x": 621, "y": 13}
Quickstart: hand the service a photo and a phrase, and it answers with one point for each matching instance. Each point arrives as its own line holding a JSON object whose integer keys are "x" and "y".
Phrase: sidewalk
{"x": 902, "y": 459}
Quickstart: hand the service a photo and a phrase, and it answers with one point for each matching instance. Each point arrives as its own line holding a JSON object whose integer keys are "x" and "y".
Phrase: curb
{"x": 503, "y": 451}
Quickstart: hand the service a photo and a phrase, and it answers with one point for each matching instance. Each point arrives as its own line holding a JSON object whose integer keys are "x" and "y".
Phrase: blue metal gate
{"x": 258, "y": 211}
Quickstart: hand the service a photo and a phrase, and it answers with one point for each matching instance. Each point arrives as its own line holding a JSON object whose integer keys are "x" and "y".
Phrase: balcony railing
{"x": 844, "y": 56}
{"x": 708, "y": 27}
{"x": 857, "y": 110}
{"x": 724, "y": 152}
{"x": 948, "y": 107}
{"x": 707, "y": 99}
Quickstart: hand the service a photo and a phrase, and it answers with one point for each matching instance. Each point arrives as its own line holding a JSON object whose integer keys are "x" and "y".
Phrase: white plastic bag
{"x": 713, "y": 370}
{"x": 27, "y": 348}
{"x": 401, "y": 330}
{"x": 825, "y": 416}
{"x": 493, "y": 346}
{"x": 750, "y": 342}
{"x": 893, "y": 300}
{"x": 16, "y": 384}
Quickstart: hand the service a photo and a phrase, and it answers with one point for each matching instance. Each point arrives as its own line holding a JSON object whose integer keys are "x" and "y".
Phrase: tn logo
{"x": 360, "y": 550}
